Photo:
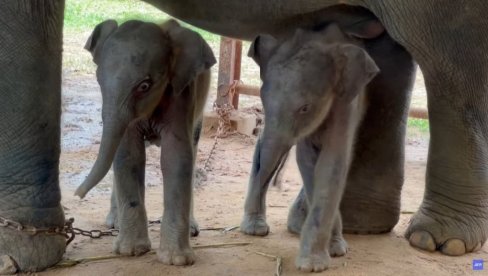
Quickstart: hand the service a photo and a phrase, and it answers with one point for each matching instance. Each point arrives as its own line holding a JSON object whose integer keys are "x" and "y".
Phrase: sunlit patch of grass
{"x": 81, "y": 16}
{"x": 84, "y": 15}
{"x": 417, "y": 127}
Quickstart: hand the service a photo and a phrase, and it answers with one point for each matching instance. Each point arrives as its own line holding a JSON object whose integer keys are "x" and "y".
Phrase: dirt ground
{"x": 219, "y": 201}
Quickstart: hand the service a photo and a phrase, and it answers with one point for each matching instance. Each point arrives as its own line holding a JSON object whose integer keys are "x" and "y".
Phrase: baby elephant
{"x": 313, "y": 95}
{"x": 154, "y": 81}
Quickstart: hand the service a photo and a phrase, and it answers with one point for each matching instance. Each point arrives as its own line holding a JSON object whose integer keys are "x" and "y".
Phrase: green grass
{"x": 418, "y": 126}
{"x": 84, "y": 15}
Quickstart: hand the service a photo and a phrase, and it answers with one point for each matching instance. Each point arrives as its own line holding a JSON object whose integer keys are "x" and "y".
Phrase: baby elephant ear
{"x": 261, "y": 50}
{"x": 192, "y": 55}
{"x": 95, "y": 42}
{"x": 355, "y": 70}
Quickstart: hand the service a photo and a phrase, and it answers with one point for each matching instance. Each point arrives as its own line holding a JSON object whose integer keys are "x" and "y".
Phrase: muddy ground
{"x": 219, "y": 201}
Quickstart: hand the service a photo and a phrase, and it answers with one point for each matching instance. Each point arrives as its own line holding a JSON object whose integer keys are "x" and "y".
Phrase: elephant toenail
{"x": 422, "y": 240}
{"x": 453, "y": 247}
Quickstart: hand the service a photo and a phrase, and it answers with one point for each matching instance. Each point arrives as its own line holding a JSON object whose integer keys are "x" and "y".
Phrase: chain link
{"x": 32, "y": 230}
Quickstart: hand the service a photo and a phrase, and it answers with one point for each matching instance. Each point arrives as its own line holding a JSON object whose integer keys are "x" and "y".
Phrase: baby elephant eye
{"x": 144, "y": 86}
{"x": 304, "y": 109}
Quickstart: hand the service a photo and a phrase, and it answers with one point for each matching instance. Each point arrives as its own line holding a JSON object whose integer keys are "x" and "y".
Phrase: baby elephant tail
{"x": 276, "y": 181}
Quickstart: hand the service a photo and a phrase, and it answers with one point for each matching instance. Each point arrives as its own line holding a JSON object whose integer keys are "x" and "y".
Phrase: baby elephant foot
{"x": 131, "y": 245}
{"x": 176, "y": 256}
{"x": 452, "y": 235}
{"x": 314, "y": 262}
{"x": 338, "y": 247}
{"x": 112, "y": 221}
{"x": 297, "y": 214}
{"x": 194, "y": 229}
{"x": 254, "y": 225}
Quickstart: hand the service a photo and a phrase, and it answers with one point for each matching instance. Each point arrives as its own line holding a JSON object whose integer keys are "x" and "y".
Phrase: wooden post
{"x": 229, "y": 71}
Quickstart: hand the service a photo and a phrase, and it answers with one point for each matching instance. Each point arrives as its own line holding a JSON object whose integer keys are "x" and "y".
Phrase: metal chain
{"x": 224, "y": 125}
{"x": 32, "y": 230}
{"x": 67, "y": 231}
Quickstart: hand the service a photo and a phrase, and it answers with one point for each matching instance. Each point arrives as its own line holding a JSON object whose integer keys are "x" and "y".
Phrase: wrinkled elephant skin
{"x": 30, "y": 113}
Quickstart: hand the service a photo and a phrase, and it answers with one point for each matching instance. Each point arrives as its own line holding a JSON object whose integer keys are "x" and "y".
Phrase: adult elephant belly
{"x": 271, "y": 17}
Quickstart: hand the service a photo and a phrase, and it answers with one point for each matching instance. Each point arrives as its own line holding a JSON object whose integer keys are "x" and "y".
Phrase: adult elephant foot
{"x": 361, "y": 213}
{"x": 431, "y": 231}
{"x": 21, "y": 251}
{"x": 372, "y": 207}
{"x": 453, "y": 217}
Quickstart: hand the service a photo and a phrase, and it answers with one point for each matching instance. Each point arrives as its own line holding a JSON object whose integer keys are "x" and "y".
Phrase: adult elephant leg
{"x": 371, "y": 202}
{"x": 453, "y": 216}
{"x": 30, "y": 109}
{"x": 129, "y": 170}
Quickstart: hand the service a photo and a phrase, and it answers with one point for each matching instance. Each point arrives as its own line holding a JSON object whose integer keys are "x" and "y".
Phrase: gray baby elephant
{"x": 313, "y": 96}
{"x": 154, "y": 81}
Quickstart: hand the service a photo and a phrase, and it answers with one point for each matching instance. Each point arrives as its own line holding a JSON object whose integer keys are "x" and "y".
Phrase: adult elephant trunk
{"x": 114, "y": 126}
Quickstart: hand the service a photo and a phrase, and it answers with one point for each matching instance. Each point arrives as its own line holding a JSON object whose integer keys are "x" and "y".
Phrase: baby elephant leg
{"x": 112, "y": 220}
{"x": 307, "y": 154}
{"x": 194, "y": 228}
{"x": 254, "y": 220}
{"x": 129, "y": 166}
{"x": 177, "y": 164}
{"x": 338, "y": 245}
{"x": 329, "y": 181}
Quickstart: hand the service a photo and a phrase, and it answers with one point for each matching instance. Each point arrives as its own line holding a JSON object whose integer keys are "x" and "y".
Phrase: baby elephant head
{"x": 302, "y": 77}
{"x": 138, "y": 63}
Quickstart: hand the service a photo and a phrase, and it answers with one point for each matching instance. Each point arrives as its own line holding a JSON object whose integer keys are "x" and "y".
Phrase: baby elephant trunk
{"x": 113, "y": 132}
{"x": 273, "y": 153}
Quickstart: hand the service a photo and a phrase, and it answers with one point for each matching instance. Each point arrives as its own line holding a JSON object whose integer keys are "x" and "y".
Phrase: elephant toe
{"x": 313, "y": 262}
{"x": 422, "y": 240}
{"x": 176, "y": 256}
{"x": 132, "y": 248}
{"x": 453, "y": 247}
